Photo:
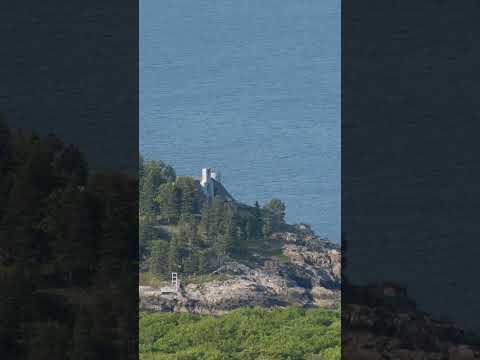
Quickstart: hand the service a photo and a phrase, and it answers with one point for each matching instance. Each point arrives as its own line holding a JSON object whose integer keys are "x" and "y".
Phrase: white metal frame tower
{"x": 175, "y": 281}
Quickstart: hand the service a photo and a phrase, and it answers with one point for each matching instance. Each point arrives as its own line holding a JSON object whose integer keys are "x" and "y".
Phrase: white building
{"x": 208, "y": 182}
{"x": 212, "y": 186}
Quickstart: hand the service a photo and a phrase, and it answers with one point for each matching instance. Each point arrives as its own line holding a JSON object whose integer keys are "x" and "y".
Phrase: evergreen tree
{"x": 146, "y": 196}
{"x": 117, "y": 223}
{"x": 158, "y": 257}
{"x": 202, "y": 262}
{"x": 155, "y": 173}
{"x": 32, "y": 180}
{"x": 257, "y": 221}
{"x": 229, "y": 230}
{"x": 49, "y": 341}
{"x": 173, "y": 254}
{"x": 189, "y": 242}
{"x": 169, "y": 202}
{"x": 186, "y": 187}
{"x": 205, "y": 224}
{"x": 240, "y": 235}
{"x": 267, "y": 224}
{"x": 72, "y": 166}
{"x": 83, "y": 344}
{"x": 277, "y": 210}
{"x": 249, "y": 229}
{"x": 221, "y": 245}
{"x": 208, "y": 224}
{"x": 216, "y": 216}
{"x": 68, "y": 225}
{"x": 146, "y": 233}
{"x": 52, "y": 224}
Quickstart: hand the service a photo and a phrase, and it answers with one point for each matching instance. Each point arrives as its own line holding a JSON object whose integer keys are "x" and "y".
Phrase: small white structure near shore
{"x": 211, "y": 184}
{"x": 208, "y": 180}
{"x": 173, "y": 288}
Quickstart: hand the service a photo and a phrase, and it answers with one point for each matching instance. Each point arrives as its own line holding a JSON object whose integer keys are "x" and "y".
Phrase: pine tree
{"x": 239, "y": 238}
{"x": 83, "y": 344}
{"x": 32, "y": 182}
{"x": 69, "y": 226}
{"x": 217, "y": 213}
{"x": 118, "y": 222}
{"x": 267, "y": 226}
{"x": 205, "y": 225}
{"x": 221, "y": 248}
{"x": 202, "y": 262}
{"x": 146, "y": 195}
{"x": 169, "y": 202}
{"x": 155, "y": 173}
{"x": 158, "y": 257}
{"x": 189, "y": 242}
{"x": 277, "y": 210}
{"x": 229, "y": 230}
{"x": 257, "y": 221}
{"x": 173, "y": 258}
{"x": 249, "y": 229}
{"x": 186, "y": 188}
{"x": 72, "y": 166}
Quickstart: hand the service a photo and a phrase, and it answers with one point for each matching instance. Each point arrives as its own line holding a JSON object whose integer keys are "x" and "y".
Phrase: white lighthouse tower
{"x": 209, "y": 177}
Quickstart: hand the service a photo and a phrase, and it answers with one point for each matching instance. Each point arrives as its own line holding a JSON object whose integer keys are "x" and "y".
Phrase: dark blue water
{"x": 252, "y": 88}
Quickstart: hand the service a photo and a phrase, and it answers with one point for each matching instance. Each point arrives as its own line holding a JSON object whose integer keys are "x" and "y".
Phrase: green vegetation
{"x": 180, "y": 230}
{"x": 67, "y": 263}
{"x": 245, "y": 334}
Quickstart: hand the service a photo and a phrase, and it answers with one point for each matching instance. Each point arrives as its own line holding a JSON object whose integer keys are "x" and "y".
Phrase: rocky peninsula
{"x": 307, "y": 273}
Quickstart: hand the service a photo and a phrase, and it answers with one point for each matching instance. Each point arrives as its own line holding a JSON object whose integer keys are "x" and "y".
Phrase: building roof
{"x": 221, "y": 192}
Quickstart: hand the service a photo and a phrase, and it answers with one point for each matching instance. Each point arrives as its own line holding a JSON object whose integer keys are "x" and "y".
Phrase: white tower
{"x": 215, "y": 174}
{"x": 208, "y": 183}
{"x": 206, "y": 174}
{"x": 175, "y": 283}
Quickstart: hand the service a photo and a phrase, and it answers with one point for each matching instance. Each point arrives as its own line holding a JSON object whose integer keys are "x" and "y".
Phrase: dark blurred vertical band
{"x": 410, "y": 175}
{"x": 68, "y": 180}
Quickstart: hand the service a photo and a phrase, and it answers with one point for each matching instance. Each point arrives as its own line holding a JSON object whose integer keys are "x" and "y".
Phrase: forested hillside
{"x": 180, "y": 230}
{"x": 266, "y": 284}
{"x": 67, "y": 253}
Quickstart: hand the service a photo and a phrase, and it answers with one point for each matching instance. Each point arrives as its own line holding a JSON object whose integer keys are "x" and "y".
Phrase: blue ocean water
{"x": 251, "y": 88}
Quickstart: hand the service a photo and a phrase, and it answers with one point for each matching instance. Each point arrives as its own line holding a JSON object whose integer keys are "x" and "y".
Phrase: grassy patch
{"x": 255, "y": 250}
{"x": 204, "y": 278}
{"x": 290, "y": 333}
{"x": 149, "y": 279}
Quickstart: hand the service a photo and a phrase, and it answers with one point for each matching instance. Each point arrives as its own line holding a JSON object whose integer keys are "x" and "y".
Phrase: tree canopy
{"x": 199, "y": 234}
{"x": 64, "y": 231}
{"x": 256, "y": 333}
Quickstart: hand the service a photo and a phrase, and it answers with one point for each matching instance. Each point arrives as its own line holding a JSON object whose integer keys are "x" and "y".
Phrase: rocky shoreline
{"x": 382, "y": 322}
{"x": 307, "y": 274}
{"x": 379, "y": 321}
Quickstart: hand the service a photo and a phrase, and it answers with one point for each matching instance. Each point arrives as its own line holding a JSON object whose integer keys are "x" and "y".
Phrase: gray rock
{"x": 385, "y": 324}
{"x": 310, "y": 278}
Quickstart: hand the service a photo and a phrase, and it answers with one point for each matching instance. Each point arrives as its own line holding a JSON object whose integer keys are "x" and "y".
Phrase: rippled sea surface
{"x": 252, "y": 88}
